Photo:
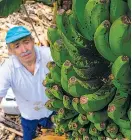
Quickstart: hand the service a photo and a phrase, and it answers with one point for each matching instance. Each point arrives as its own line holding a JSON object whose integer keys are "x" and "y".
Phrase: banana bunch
{"x": 89, "y": 80}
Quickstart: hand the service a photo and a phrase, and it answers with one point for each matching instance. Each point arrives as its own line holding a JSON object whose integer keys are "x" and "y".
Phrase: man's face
{"x": 23, "y": 49}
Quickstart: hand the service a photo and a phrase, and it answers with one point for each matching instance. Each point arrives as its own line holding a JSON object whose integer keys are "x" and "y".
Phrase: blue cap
{"x": 16, "y": 33}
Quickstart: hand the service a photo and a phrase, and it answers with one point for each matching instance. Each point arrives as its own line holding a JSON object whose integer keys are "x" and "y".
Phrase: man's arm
{"x": 5, "y": 79}
{"x": 5, "y": 74}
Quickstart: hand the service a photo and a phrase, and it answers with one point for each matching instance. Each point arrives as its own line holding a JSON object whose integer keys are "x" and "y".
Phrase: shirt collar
{"x": 18, "y": 64}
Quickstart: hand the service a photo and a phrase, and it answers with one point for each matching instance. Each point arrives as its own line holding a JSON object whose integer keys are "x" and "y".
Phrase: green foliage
{"x": 47, "y": 2}
{"x": 9, "y": 6}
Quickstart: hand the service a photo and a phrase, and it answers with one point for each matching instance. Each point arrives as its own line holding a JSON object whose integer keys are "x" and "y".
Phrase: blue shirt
{"x": 28, "y": 89}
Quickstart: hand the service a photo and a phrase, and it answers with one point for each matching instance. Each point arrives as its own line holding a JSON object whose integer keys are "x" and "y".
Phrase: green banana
{"x": 67, "y": 101}
{"x": 101, "y": 137}
{"x": 55, "y": 71}
{"x": 121, "y": 70}
{"x": 83, "y": 119}
{"x": 48, "y": 82}
{"x": 76, "y": 105}
{"x": 101, "y": 39}
{"x": 57, "y": 92}
{"x": 57, "y": 131}
{"x": 70, "y": 138}
{"x": 66, "y": 73}
{"x": 75, "y": 134}
{"x": 73, "y": 35}
{"x": 121, "y": 87}
{"x": 49, "y": 93}
{"x": 129, "y": 4}
{"x": 94, "y": 138}
{"x": 61, "y": 53}
{"x": 69, "y": 135}
{"x": 97, "y": 116}
{"x": 93, "y": 131}
{"x": 123, "y": 122}
{"x": 65, "y": 114}
{"x": 99, "y": 99}
{"x": 106, "y": 134}
{"x": 126, "y": 43}
{"x": 64, "y": 84}
{"x": 78, "y": 10}
{"x": 129, "y": 113}
{"x": 56, "y": 103}
{"x": 118, "y": 36}
{"x": 126, "y": 133}
{"x": 77, "y": 87}
{"x": 55, "y": 119}
{"x": 64, "y": 22}
{"x": 53, "y": 35}
{"x": 100, "y": 126}
{"x": 63, "y": 30}
{"x": 67, "y": 70}
{"x": 117, "y": 9}
{"x": 87, "y": 137}
{"x": 64, "y": 126}
{"x": 75, "y": 125}
{"x": 49, "y": 106}
{"x": 59, "y": 21}
{"x": 80, "y": 57}
{"x": 120, "y": 136}
{"x": 83, "y": 131}
{"x": 112, "y": 129}
{"x": 79, "y": 137}
{"x": 69, "y": 124}
{"x": 96, "y": 11}
{"x": 119, "y": 105}
{"x": 95, "y": 70}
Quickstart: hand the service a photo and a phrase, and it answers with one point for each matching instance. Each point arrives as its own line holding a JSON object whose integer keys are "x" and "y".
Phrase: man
{"x": 24, "y": 72}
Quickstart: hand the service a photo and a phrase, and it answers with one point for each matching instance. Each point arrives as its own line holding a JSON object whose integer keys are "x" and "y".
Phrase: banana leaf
{"x": 9, "y": 6}
{"x": 47, "y": 2}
